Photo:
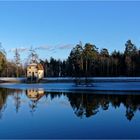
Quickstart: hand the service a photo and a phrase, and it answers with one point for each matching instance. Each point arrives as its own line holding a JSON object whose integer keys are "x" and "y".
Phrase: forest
{"x": 83, "y": 61}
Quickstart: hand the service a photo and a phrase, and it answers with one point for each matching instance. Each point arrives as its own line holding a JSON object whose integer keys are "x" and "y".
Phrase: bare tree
{"x": 33, "y": 57}
{"x": 2, "y": 58}
{"x": 17, "y": 61}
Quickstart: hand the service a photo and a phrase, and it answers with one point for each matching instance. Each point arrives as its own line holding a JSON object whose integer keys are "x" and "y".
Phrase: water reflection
{"x": 83, "y": 105}
{"x": 34, "y": 95}
{"x": 90, "y": 104}
{"x": 4, "y": 93}
{"x": 3, "y": 98}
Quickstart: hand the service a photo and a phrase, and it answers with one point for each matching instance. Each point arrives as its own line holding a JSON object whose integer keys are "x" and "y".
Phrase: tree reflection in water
{"x": 89, "y": 104}
{"x": 84, "y": 105}
{"x": 4, "y": 93}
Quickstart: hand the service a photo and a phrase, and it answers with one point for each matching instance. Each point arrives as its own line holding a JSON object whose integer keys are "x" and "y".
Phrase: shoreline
{"x": 131, "y": 84}
{"x": 72, "y": 79}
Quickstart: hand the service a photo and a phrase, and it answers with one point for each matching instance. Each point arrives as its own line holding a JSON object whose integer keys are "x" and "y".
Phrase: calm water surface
{"x": 38, "y": 114}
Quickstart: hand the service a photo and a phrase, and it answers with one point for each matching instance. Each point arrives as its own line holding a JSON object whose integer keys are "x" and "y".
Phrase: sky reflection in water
{"x": 38, "y": 114}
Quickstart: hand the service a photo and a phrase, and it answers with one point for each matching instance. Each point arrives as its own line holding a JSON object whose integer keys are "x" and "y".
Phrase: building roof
{"x": 32, "y": 64}
{"x": 40, "y": 67}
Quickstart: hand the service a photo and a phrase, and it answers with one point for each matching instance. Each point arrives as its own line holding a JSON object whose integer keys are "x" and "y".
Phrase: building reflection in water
{"x": 84, "y": 105}
{"x": 34, "y": 95}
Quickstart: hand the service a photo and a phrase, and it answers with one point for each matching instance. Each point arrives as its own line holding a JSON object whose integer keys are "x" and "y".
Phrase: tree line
{"x": 88, "y": 61}
{"x": 83, "y": 61}
{"x": 12, "y": 68}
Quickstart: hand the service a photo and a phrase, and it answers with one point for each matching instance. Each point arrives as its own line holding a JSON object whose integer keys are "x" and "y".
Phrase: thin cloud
{"x": 43, "y": 47}
{"x": 49, "y": 48}
{"x": 65, "y": 47}
{"x": 56, "y": 47}
{"x": 21, "y": 49}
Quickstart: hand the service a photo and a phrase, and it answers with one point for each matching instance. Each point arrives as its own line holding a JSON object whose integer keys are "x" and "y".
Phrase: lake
{"x": 37, "y": 113}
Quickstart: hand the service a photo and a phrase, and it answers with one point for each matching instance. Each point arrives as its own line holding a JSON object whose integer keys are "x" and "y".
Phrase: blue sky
{"x": 57, "y": 26}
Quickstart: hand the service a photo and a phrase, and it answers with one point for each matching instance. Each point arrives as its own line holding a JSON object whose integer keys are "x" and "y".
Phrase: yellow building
{"x": 35, "y": 71}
